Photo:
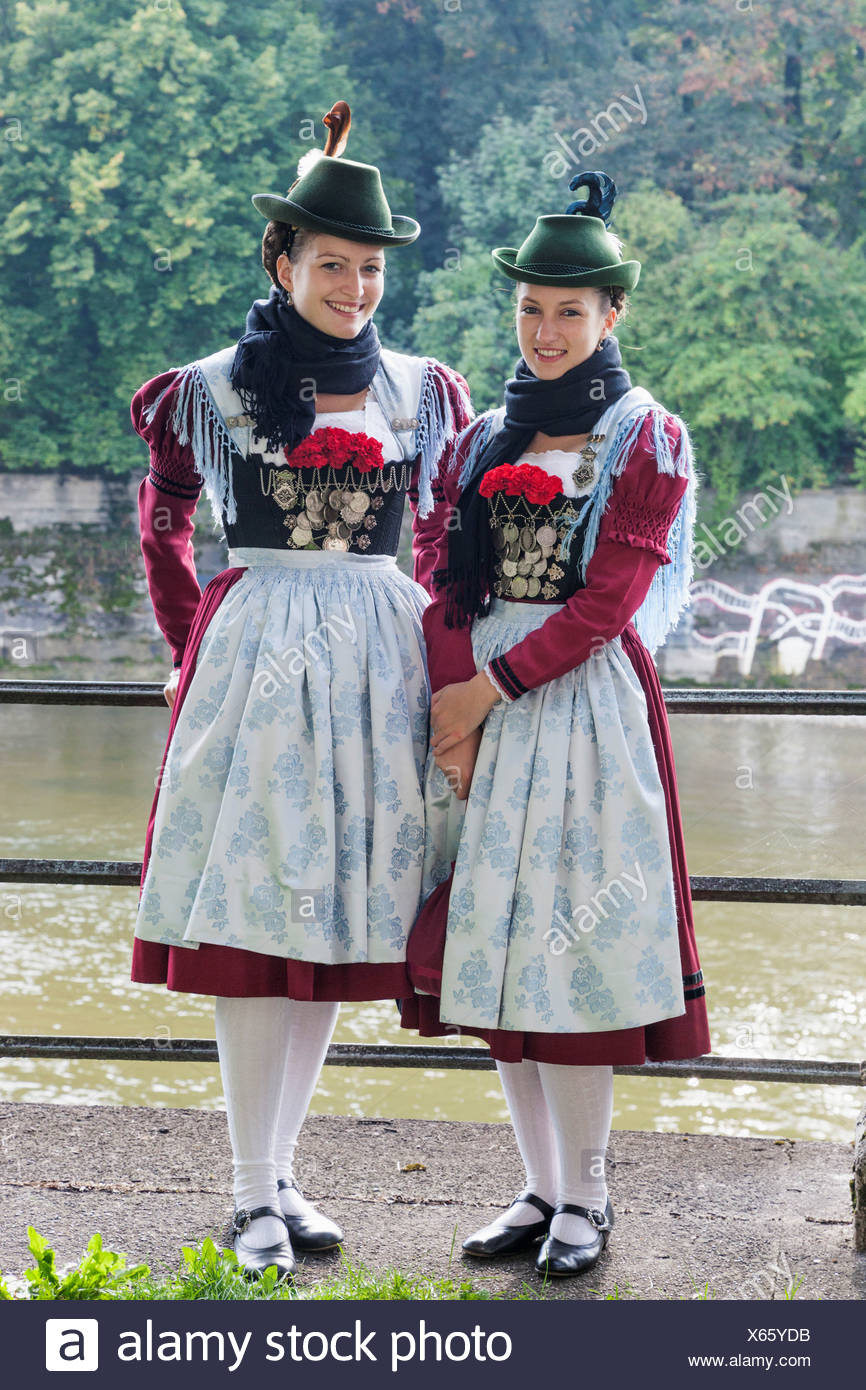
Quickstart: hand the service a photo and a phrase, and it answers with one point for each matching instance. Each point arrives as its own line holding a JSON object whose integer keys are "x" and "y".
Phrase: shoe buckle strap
{"x": 591, "y": 1214}
{"x": 532, "y": 1200}
{"x": 242, "y": 1217}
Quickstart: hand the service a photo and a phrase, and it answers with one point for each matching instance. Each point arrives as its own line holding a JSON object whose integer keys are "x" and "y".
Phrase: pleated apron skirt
{"x": 286, "y": 844}
{"x": 567, "y": 937}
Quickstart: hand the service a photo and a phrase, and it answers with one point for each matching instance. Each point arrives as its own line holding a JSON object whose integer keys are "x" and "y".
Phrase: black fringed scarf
{"x": 282, "y": 362}
{"x": 571, "y": 404}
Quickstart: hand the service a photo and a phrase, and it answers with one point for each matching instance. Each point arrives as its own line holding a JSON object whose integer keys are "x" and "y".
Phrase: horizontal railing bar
{"x": 679, "y": 700}
{"x": 124, "y": 693}
{"x": 124, "y": 873}
{"x": 731, "y": 701}
{"x": 432, "y": 1058}
{"x": 843, "y": 892}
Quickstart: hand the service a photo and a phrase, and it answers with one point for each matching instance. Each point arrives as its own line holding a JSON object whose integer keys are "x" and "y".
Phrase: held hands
{"x": 170, "y": 689}
{"x": 457, "y": 710}
{"x": 458, "y": 764}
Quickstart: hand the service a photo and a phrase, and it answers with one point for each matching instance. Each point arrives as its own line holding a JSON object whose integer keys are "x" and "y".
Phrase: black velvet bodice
{"x": 282, "y": 507}
{"x": 526, "y": 540}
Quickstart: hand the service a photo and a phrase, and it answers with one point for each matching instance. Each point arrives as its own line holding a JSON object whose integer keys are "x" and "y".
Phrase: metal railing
{"x": 706, "y": 888}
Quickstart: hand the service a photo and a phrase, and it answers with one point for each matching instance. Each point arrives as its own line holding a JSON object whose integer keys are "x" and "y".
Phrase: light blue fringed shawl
{"x": 668, "y": 594}
{"x": 213, "y": 447}
{"x": 410, "y": 388}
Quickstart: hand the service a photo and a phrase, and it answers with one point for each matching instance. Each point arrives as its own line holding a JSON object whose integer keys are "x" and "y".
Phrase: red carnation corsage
{"x": 521, "y": 480}
{"x": 337, "y": 448}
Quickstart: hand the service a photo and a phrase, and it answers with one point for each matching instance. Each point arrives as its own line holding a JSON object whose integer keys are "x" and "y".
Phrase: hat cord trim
{"x": 557, "y": 267}
{"x": 354, "y": 226}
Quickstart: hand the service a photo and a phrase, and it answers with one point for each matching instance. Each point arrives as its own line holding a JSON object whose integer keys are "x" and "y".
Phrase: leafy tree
{"x": 134, "y": 135}
{"x": 750, "y": 328}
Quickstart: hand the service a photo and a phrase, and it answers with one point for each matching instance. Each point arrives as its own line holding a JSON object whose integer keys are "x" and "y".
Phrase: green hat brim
{"x": 277, "y": 209}
{"x": 624, "y": 273}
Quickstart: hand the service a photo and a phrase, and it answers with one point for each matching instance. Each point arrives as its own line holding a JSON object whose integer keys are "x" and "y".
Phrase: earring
{"x": 288, "y": 296}
{"x": 601, "y": 343}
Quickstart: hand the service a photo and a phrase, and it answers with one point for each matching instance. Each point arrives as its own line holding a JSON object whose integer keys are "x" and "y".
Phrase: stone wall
{"x": 74, "y": 602}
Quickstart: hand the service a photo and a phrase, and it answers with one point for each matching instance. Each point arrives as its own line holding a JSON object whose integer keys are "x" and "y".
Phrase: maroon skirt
{"x": 672, "y": 1038}
{"x": 229, "y": 970}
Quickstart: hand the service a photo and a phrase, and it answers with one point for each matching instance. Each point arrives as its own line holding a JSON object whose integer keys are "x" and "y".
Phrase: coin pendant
{"x": 335, "y": 498}
{"x": 343, "y": 530}
{"x": 331, "y": 513}
{"x": 301, "y": 536}
{"x": 509, "y": 568}
{"x": 523, "y": 567}
{"x": 359, "y": 502}
{"x": 533, "y": 556}
{"x": 527, "y": 538}
{"x": 315, "y": 500}
{"x": 546, "y": 536}
{"x": 499, "y": 538}
{"x": 334, "y": 543}
{"x": 533, "y": 587}
{"x": 512, "y": 550}
{"x": 540, "y": 567}
{"x": 511, "y": 532}
{"x": 519, "y": 586}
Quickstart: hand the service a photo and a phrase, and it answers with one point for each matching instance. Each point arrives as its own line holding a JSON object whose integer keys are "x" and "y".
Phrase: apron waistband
{"x": 259, "y": 557}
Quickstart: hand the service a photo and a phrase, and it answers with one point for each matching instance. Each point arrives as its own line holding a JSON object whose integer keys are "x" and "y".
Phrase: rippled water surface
{"x": 760, "y": 795}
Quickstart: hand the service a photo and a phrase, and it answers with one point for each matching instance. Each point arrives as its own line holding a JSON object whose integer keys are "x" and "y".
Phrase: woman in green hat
{"x": 283, "y": 858}
{"x": 557, "y": 920}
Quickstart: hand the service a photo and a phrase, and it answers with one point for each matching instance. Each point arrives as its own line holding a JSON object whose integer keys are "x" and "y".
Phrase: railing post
{"x": 858, "y": 1184}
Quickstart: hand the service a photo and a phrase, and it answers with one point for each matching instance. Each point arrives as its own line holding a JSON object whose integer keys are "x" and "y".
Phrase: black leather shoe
{"x": 560, "y": 1259}
{"x": 501, "y": 1239}
{"x": 310, "y": 1232}
{"x": 254, "y": 1262}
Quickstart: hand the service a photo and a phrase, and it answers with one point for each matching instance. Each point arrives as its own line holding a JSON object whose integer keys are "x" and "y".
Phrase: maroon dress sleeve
{"x": 449, "y": 650}
{"x": 167, "y": 500}
{"x": 454, "y": 400}
{"x": 631, "y": 546}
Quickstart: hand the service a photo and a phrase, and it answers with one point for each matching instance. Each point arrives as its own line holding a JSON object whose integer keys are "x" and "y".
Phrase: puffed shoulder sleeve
{"x": 644, "y": 500}
{"x": 172, "y": 466}
{"x": 167, "y": 500}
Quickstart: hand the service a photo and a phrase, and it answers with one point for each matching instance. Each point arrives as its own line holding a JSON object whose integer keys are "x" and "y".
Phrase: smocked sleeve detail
{"x": 644, "y": 501}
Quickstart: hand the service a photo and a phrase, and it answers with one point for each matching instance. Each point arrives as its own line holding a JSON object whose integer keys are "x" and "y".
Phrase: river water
{"x": 760, "y": 795}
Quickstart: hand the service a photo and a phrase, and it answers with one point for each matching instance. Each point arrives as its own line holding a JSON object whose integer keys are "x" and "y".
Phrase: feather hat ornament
{"x": 338, "y": 195}
{"x": 574, "y": 247}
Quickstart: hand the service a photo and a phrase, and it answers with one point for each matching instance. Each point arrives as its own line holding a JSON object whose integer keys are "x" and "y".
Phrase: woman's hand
{"x": 458, "y": 764}
{"x": 170, "y": 688}
{"x": 457, "y": 710}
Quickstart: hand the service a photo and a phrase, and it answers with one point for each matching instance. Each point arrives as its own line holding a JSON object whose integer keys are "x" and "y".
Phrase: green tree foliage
{"x": 133, "y": 131}
{"x": 749, "y": 327}
{"x": 132, "y": 135}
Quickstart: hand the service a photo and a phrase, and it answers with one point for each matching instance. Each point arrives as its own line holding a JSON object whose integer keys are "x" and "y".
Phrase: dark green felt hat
{"x": 575, "y": 247}
{"x": 339, "y": 195}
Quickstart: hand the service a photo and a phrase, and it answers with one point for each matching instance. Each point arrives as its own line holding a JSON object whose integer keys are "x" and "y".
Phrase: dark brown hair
{"x": 281, "y": 237}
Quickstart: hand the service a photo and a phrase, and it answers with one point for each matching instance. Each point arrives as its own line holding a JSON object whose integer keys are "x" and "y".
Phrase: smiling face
{"x": 558, "y": 327}
{"x": 335, "y": 284}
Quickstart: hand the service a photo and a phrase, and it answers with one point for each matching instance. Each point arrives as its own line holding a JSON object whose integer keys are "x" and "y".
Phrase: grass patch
{"x": 208, "y": 1272}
